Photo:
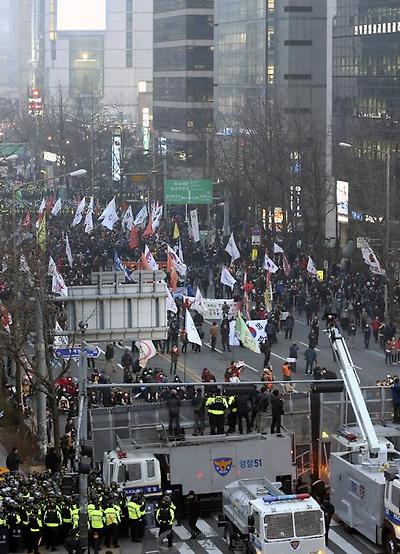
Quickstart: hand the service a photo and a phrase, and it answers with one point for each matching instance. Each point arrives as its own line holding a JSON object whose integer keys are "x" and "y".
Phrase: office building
{"x": 366, "y": 102}
{"x": 94, "y": 51}
{"x": 183, "y": 75}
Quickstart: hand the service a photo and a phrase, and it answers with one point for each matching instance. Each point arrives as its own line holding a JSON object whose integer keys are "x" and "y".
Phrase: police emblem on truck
{"x": 222, "y": 465}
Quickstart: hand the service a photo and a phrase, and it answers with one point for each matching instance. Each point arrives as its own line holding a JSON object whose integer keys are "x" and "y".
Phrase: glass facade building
{"x": 183, "y": 71}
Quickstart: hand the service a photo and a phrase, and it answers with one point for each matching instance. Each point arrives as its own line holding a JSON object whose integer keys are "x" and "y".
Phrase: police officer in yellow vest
{"x": 96, "y": 524}
{"x": 165, "y": 515}
{"x": 141, "y": 502}
{"x": 34, "y": 531}
{"x": 216, "y": 406}
{"x": 52, "y": 521}
{"x": 112, "y": 520}
{"x": 4, "y": 534}
{"x": 134, "y": 518}
{"x": 232, "y": 414}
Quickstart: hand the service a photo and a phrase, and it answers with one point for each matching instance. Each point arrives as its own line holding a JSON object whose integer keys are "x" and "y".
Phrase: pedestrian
{"x": 277, "y": 412}
{"x": 165, "y": 516}
{"x": 268, "y": 377}
{"x": 184, "y": 341}
{"x": 213, "y": 336}
{"x": 109, "y": 356}
{"x": 174, "y": 359}
{"x": 217, "y": 407}
{"x": 310, "y": 357}
{"x": 260, "y": 420}
{"x": 396, "y": 400}
{"x": 243, "y": 410}
{"x": 375, "y": 324}
{"x": 193, "y": 513}
{"x": 266, "y": 350}
{"x": 367, "y": 335}
{"x": 388, "y": 352}
{"x": 52, "y": 461}
{"x": 13, "y": 461}
{"x": 174, "y": 405}
{"x": 289, "y": 326}
{"x": 127, "y": 359}
{"x": 328, "y": 510}
{"x": 286, "y": 371}
{"x": 232, "y": 413}
{"x": 293, "y": 354}
{"x": 318, "y": 489}
{"x": 318, "y": 372}
{"x": 224, "y": 329}
{"x": 198, "y": 404}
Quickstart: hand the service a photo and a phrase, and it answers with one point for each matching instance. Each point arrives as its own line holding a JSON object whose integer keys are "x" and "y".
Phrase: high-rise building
{"x": 366, "y": 102}
{"x": 94, "y": 50}
{"x": 183, "y": 74}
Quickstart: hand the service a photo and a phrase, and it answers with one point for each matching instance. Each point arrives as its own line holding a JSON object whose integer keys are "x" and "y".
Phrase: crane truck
{"x": 364, "y": 480}
{"x": 260, "y": 519}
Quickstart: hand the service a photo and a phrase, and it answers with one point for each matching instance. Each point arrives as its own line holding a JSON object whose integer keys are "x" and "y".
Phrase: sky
{"x": 81, "y": 15}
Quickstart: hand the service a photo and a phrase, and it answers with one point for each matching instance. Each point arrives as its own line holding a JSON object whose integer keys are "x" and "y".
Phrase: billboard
{"x": 191, "y": 191}
{"x": 342, "y": 199}
{"x": 81, "y": 15}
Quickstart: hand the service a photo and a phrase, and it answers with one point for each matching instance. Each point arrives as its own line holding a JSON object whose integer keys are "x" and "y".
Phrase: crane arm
{"x": 352, "y": 383}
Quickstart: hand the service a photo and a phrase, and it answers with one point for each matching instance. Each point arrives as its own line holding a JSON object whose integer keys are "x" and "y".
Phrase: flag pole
{"x": 186, "y": 345}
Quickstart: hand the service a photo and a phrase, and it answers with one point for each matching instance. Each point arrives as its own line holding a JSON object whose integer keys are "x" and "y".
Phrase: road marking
{"x": 205, "y": 528}
{"x": 305, "y": 344}
{"x": 375, "y": 353}
{"x": 209, "y": 546}
{"x": 184, "y": 548}
{"x": 342, "y": 543}
{"x": 182, "y": 532}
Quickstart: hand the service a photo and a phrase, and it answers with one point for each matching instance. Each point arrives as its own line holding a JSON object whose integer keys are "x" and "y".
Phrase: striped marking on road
{"x": 305, "y": 344}
{"x": 182, "y": 532}
{"x": 184, "y": 548}
{"x": 205, "y": 528}
{"x": 342, "y": 543}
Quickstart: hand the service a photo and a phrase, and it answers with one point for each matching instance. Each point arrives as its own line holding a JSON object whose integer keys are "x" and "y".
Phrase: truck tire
{"x": 229, "y": 536}
{"x": 389, "y": 542}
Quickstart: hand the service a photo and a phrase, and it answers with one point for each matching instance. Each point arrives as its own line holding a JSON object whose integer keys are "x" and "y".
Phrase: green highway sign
{"x": 190, "y": 191}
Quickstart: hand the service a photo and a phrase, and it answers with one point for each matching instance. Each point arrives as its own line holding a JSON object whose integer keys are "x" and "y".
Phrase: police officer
{"x": 66, "y": 514}
{"x": 216, "y": 406}
{"x": 34, "y": 531}
{"x": 232, "y": 414}
{"x": 134, "y": 517}
{"x": 165, "y": 515}
{"x": 141, "y": 502}
{"x": 96, "y": 524}
{"x": 4, "y": 533}
{"x": 52, "y": 522}
{"x": 111, "y": 520}
{"x": 15, "y": 527}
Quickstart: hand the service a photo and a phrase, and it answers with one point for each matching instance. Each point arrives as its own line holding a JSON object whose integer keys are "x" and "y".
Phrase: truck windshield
{"x": 308, "y": 524}
{"x": 278, "y": 526}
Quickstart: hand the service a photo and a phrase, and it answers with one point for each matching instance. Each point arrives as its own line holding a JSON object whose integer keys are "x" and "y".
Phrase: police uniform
{"x": 216, "y": 407}
{"x": 34, "y": 532}
{"x": 4, "y": 535}
{"x": 96, "y": 524}
{"x": 141, "y": 502}
{"x": 165, "y": 516}
{"x": 111, "y": 520}
{"x": 134, "y": 517}
{"x": 232, "y": 414}
{"x": 52, "y": 522}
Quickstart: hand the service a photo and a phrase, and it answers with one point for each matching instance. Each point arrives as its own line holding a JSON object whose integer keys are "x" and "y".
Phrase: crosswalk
{"x": 211, "y": 540}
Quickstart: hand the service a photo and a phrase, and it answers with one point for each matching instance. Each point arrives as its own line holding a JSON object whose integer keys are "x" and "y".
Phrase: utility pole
{"x": 41, "y": 363}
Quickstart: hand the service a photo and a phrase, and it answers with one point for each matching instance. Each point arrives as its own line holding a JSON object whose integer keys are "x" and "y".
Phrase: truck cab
{"x": 136, "y": 472}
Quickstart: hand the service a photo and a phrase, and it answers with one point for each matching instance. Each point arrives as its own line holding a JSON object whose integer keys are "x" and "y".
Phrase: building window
{"x": 297, "y": 76}
{"x": 87, "y": 66}
{"x": 298, "y": 43}
{"x": 301, "y": 9}
{"x": 129, "y": 33}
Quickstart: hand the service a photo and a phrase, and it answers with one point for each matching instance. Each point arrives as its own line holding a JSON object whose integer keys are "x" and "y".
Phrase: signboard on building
{"x": 191, "y": 191}
{"x": 342, "y": 199}
{"x": 81, "y": 15}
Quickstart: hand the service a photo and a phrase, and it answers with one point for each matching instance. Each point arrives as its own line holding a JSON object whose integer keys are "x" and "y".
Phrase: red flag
{"x": 145, "y": 263}
{"x": 286, "y": 266}
{"x": 26, "y": 222}
{"x": 173, "y": 282}
{"x": 134, "y": 238}
{"x": 149, "y": 229}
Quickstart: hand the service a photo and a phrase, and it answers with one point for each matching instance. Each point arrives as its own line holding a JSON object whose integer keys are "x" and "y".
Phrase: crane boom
{"x": 376, "y": 448}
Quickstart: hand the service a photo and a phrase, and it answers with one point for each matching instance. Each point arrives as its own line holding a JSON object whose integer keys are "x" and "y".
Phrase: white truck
{"x": 364, "y": 480}
{"x": 259, "y": 518}
{"x": 205, "y": 464}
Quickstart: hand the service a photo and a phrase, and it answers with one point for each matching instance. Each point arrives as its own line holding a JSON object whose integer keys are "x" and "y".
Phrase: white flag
{"x": 227, "y": 279}
{"x": 52, "y": 266}
{"x": 24, "y": 267}
{"x": 198, "y": 303}
{"x": 156, "y": 217}
{"x": 57, "y": 207}
{"x": 269, "y": 265}
{"x": 150, "y": 258}
{"x": 78, "y": 213}
{"x": 180, "y": 251}
{"x": 68, "y": 251}
{"x": 60, "y": 341}
{"x": 141, "y": 216}
{"x": 311, "y": 266}
{"x": 171, "y": 304}
{"x": 42, "y": 206}
{"x": 109, "y": 216}
{"x": 180, "y": 267}
{"x": 89, "y": 217}
{"x": 232, "y": 249}
{"x": 127, "y": 220}
{"x": 146, "y": 351}
{"x": 370, "y": 259}
{"x": 194, "y": 221}
{"x": 277, "y": 249}
{"x": 58, "y": 285}
{"x": 192, "y": 333}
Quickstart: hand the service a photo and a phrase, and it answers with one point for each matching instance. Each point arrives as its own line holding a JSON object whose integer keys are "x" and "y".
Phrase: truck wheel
{"x": 389, "y": 543}
{"x": 229, "y": 536}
